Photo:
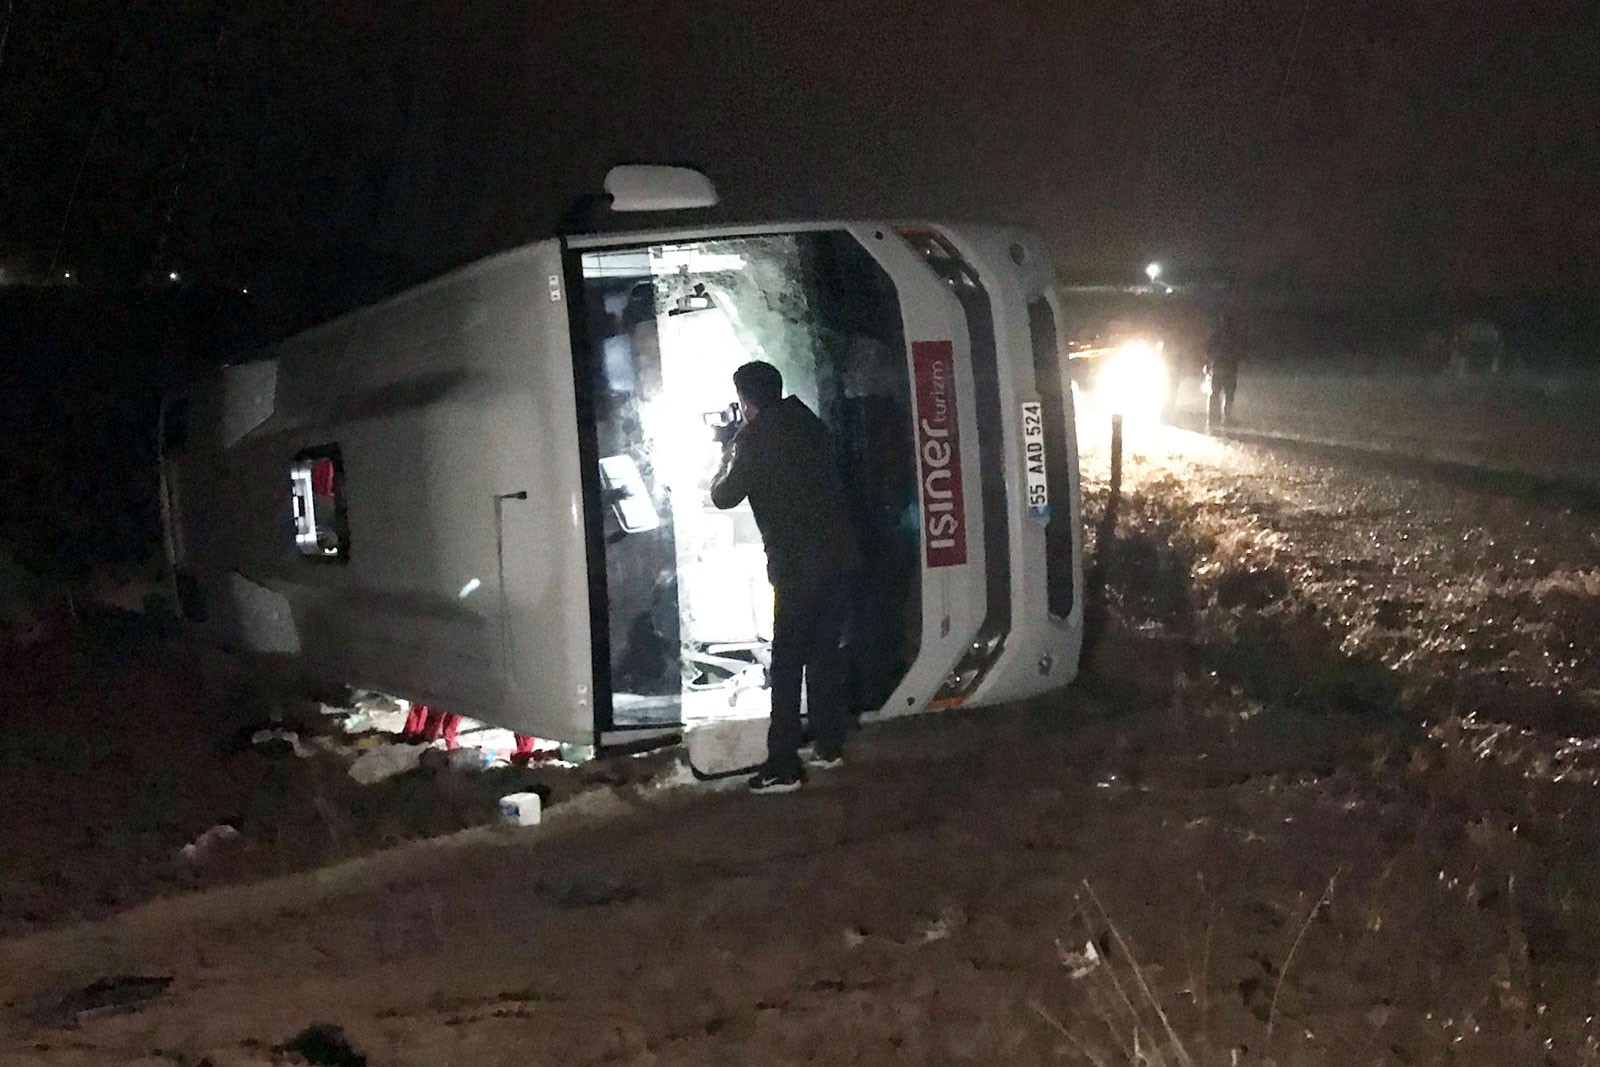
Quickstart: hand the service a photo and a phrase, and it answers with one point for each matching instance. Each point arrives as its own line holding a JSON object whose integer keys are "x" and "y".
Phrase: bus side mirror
{"x": 622, "y": 486}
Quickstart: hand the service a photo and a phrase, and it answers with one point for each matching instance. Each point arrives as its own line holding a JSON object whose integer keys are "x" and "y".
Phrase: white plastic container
{"x": 521, "y": 809}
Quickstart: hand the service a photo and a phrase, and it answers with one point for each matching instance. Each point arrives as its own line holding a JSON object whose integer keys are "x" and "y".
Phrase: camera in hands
{"x": 725, "y": 424}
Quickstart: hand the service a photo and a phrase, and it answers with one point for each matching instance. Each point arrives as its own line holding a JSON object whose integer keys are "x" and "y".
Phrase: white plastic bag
{"x": 208, "y": 844}
{"x": 386, "y": 761}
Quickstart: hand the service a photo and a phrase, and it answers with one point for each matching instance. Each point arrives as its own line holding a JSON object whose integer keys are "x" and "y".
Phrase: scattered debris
{"x": 1079, "y": 964}
{"x": 1133, "y": 1023}
{"x": 321, "y": 1045}
{"x": 114, "y": 995}
{"x": 949, "y": 920}
{"x": 521, "y": 809}
{"x": 352, "y": 722}
{"x": 386, "y": 761}
{"x": 727, "y": 747}
{"x": 209, "y": 844}
{"x": 279, "y": 741}
{"x": 472, "y": 759}
{"x": 372, "y": 712}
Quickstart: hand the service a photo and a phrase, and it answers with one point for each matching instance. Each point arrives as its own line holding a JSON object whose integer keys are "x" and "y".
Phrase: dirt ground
{"x": 121, "y": 745}
{"x": 1324, "y": 796}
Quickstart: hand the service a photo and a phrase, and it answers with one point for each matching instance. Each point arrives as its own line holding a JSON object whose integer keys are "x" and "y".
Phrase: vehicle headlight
{"x": 1133, "y": 380}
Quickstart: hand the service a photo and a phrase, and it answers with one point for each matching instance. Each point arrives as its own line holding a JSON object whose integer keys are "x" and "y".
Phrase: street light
{"x": 1153, "y": 271}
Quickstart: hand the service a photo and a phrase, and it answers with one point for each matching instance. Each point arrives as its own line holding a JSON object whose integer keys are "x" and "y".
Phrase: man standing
{"x": 780, "y": 460}
{"x": 1224, "y": 353}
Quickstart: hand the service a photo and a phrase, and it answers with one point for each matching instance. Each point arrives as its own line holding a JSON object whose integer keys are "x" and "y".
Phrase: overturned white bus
{"x": 490, "y": 493}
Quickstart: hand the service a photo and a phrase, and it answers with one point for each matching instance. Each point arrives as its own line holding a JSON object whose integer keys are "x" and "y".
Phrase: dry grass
{"x": 1119, "y": 995}
{"x": 1300, "y": 935}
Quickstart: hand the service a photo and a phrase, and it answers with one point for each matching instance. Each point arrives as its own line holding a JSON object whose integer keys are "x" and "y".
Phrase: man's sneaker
{"x": 764, "y": 781}
{"x": 822, "y": 760}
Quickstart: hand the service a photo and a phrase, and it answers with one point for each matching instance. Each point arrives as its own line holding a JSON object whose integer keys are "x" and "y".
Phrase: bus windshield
{"x": 686, "y": 611}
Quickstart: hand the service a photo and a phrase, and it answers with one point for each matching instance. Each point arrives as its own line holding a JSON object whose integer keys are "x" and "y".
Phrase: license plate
{"x": 1038, "y": 484}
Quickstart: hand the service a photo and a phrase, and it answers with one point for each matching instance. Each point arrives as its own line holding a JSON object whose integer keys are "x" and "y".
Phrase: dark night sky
{"x": 324, "y": 154}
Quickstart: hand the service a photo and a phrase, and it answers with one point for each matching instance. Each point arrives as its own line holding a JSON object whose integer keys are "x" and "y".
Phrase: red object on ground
{"x": 429, "y": 724}
{"x": 442, "y": 726}
{"x": 416, "y": 723}
{"x": 529, "y": 752}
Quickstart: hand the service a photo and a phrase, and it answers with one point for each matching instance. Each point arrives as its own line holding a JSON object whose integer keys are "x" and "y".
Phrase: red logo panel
{"x": 944, "y": 517}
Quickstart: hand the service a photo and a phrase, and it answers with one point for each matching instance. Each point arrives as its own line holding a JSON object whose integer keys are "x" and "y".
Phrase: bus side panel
{"x": 548, "y": 628}
{"x": 449, "y": 410}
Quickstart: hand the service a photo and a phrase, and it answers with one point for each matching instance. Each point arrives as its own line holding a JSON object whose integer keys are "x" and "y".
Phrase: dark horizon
{"x": 1372, "y": 150}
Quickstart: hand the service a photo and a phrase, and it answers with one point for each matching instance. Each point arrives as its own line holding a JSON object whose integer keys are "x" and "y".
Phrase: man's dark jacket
{"x": 782, "y": 462}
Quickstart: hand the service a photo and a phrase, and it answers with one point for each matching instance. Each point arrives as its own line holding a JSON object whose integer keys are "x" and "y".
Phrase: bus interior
{"x": 681, "y": 601}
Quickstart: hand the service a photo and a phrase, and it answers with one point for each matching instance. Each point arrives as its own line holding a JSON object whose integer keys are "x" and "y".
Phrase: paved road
{"x": 1535, "y": 426}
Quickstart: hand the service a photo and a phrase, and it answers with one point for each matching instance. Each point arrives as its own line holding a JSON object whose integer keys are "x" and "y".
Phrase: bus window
{"x": 688, "y": 610}
{"x": 321, "y": 529}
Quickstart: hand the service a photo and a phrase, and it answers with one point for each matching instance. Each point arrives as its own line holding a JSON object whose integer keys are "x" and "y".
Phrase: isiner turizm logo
{"x": 939, "y": 454}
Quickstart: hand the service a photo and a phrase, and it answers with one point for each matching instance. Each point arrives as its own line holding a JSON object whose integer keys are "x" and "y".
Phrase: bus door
{"x": 869, "y": 339}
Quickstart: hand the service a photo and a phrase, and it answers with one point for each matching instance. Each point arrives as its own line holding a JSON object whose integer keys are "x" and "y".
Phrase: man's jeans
{"x": 808, "y": 620}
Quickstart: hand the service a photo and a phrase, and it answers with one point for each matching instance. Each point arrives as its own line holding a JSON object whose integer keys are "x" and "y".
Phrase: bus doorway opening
{"x": 680, "y": 604}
